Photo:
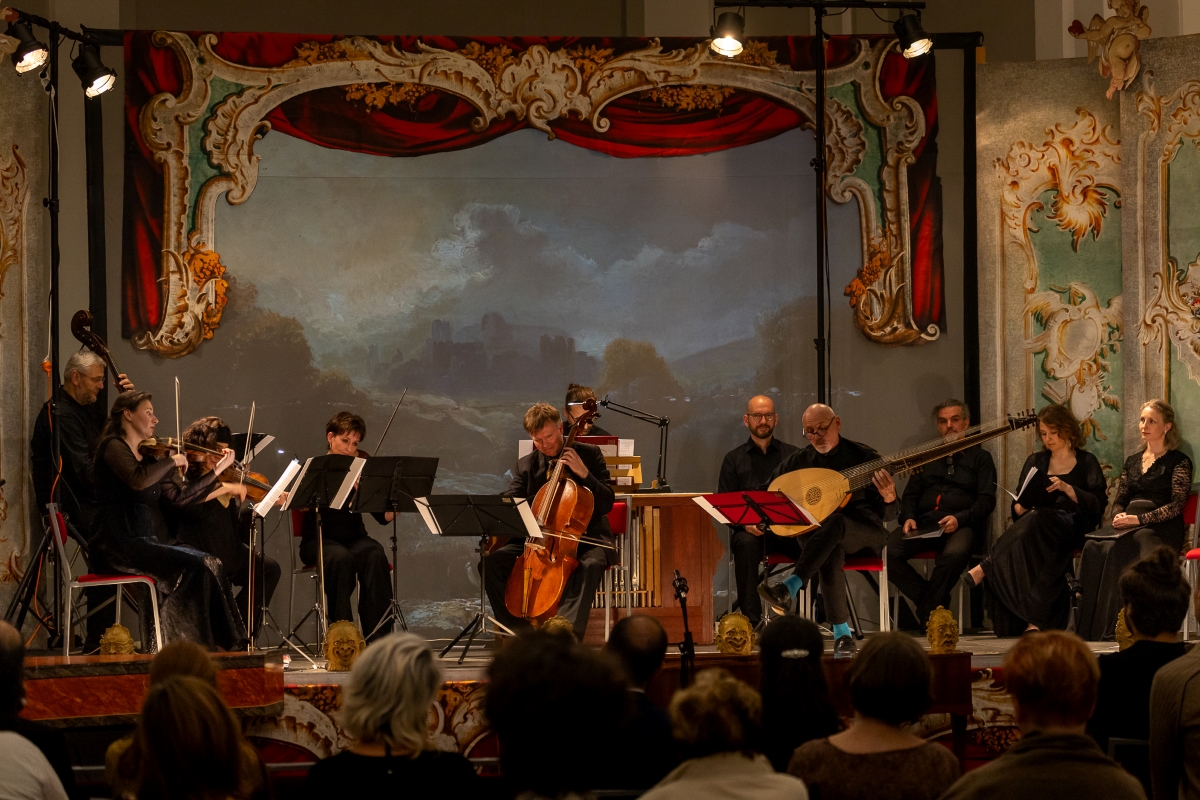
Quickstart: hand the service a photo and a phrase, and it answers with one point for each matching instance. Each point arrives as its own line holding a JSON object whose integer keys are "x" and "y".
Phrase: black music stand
{"x": 390, "y": 483}
{"x": 325, "y": 482}
{"x": 482, "y": 516}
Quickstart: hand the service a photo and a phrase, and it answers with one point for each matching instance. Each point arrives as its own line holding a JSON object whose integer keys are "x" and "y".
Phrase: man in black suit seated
{"x": 956, "y": 495}
{"x": 647, "y": 747}
{"x": 584, "y": 464}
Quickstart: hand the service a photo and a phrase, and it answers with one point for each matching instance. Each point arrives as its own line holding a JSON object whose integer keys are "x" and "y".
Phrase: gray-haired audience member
{"x": 1175, "y": 725}
{"x": 385, "y": 710}
{"x": 647, "y": 748}
{"x": 41, "y": 755}
{"x": 890, "y": 688}
{"x": 717, "y": 725}
{"x": 1052, "y": 678}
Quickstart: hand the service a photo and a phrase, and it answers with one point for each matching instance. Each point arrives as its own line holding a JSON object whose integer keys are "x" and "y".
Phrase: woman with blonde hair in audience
{"x": 877, "y": 757}
{"x": 385, "y": 710}
{"x": 717, "y": 724}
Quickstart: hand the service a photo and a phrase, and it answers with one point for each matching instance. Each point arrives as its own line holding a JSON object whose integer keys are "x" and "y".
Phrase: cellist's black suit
{"x": 531, "y": 474}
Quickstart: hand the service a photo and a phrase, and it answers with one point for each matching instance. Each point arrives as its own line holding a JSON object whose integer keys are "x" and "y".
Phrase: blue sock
{"x": 794, "y": 583}
{"x": 841, "y": 629}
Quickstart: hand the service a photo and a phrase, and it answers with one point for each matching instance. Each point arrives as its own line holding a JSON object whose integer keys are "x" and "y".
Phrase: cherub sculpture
{"x": 942, "y": 631}
{"x": 735, "y": 634}
{"x": 116, "y": 641}
{"x": 560, "y": 626}
{"x": 343, "y": 645}
{"x": 1118, "y": 40}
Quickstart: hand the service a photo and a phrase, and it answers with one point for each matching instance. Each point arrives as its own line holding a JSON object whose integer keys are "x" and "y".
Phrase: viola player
{"x": 585, "y": 465}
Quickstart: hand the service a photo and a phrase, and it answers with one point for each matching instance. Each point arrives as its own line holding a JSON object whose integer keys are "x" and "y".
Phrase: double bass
{"x": 563, "y": 510}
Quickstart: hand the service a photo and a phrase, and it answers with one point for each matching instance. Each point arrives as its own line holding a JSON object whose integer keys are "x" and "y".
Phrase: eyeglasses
{"x": 820, "y": 430}
{"x": 761, "y": 417}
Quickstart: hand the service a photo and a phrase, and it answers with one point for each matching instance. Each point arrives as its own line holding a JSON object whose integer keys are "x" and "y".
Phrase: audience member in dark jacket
{"x": 1052, "y": 678}
{"x": 646, "y": 747}
{"x": 1155, "y": 596}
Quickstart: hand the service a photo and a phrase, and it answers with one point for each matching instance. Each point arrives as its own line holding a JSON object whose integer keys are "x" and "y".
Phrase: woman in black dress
{"x": 1147, "y": 513}
{"x": 1026, "y": 572}
{"x": 132, "y": 533}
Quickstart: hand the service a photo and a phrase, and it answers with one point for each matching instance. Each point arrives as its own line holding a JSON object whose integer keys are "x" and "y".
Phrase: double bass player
{"x": 586, "y": 466}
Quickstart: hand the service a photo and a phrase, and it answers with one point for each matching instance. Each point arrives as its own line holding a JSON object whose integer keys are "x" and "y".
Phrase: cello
{"x": 563, "y": 510}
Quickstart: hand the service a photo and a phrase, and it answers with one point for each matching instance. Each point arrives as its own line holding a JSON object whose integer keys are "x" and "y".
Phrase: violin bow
{"x": 178, "y": 436}
{"x": 249, "y": 442}
{"x": 388, "y": 427}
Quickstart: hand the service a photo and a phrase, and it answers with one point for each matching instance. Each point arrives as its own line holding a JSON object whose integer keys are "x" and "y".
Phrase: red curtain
{"x": 438, "y": 122}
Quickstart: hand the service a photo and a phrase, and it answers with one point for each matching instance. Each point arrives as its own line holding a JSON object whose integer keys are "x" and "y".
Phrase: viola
{"x": 81, "y": 329}
{"x": 256, "y": 483}
{"x": 563, "y": 509}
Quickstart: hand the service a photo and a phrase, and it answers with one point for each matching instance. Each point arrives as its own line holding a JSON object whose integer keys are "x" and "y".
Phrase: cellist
{"x": 586, "y": 465}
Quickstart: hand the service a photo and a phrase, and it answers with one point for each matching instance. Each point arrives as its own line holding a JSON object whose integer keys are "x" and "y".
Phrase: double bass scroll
{"x": 81, "y": 329}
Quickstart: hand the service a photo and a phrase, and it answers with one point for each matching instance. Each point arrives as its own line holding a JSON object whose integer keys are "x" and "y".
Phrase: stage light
{"x": 914, "y": 41}
{"x": 31, "y": 53}
{"x": 96, "y": 78}
{"x": 727, "y": 34}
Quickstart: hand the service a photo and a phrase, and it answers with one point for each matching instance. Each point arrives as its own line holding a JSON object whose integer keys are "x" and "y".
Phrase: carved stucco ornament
{"x": 539, "y": 85}
{"x": 1079, "y": 165}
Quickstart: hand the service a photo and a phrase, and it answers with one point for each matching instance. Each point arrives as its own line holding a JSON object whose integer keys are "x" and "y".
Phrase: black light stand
{"x": 664, "y": 432}
{"x": 820, "y": 10}
{"x": 687, "y": 648}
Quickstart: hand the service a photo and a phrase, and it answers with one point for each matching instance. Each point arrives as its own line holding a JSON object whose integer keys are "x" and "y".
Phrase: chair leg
{"x": 67, "y": 624}
{"x": 291, "y": 602}
{"x": 885, "y": 621}
{"x": 608, "y": 601}
{"x": 120, "y": 592}
{"x": 160, "y": 639}
{"x": 854, "y": 620}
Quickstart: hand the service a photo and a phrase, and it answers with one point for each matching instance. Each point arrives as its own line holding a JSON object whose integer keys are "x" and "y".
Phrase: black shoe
{"x": 845, "y": 647}
{"x": 778, "y": 597}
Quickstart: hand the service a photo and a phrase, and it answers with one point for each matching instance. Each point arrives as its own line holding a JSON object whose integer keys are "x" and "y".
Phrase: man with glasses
{"x": 852, "y": 529}
{"x": 750, "y": 465}
{"x": 954, "y": 495}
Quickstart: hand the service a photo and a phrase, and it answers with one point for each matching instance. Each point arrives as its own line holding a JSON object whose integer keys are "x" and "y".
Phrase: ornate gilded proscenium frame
{"x": 870, "y": 140}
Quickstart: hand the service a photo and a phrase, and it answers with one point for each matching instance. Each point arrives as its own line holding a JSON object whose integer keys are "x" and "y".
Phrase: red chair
{"x": 296, "y": 517}
{"x": 1191, "y": 556}
{"x": 931, "y": 555}
{"x": 618, "y": 520}
{"x": 83, "y": 581}
{"x": 864, "y": 564}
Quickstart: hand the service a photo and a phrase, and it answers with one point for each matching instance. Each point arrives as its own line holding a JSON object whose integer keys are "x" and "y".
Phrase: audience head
{"x": 796, "y": 702}
{"x": 189, "y": 743}
{"x": 392, "y": 686}
{"x": 12, "y": 670}
{"x": 640, "y": 644}
{"x": 549, "y": 700}
{"x": 1052, "y": 677}
{"x": 890, "y": 679}
{"x": 1158, "y": 419}
{"x": 1155, "y": 594}
{"x": 183, "y": 658}
{"x": 717, "y": 714}
{"x": 1057, "y": 426}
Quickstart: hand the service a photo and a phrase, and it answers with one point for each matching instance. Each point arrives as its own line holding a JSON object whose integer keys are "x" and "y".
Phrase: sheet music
{"x": 1024, "y": 486}
{"x": 356, "y": 468}
{"x": 268, "y": 502}
{"x": 933, "y": 534}
{"x": 287, "y": 504}
{"x": 531, "y": 524}
{"x": 422, "y": 505}
{"x": 712, "y": 511}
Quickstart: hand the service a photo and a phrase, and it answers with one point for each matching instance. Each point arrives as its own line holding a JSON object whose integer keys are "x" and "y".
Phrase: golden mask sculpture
{"x": 343, "y": 644}
{"x": 1124, "y": 637}
{"x": 116, "y": 641}
{"x": 560, "y": 626}
{"x": 942, "y": 631}
{"x": 735, "y": 634}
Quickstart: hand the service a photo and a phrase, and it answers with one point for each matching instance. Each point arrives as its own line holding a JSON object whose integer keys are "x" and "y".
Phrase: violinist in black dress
{"x": 132, "y": 534}
{"x": 1147, "y": 513}
{"x": 221, "y": 524}
{"x": 1026, "y": 573}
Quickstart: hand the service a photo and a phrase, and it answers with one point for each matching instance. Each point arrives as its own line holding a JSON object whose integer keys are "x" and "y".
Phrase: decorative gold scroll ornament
{"x": 1173, "y": 307}
{"x": 14, "y": 191}
{"x": 539, "y": 85}
{"x": 1079, "y": 166}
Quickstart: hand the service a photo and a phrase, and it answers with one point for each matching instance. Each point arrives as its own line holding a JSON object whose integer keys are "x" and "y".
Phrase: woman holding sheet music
{"x": 1026, "y": 573}
{"x": 1147, "y": 513}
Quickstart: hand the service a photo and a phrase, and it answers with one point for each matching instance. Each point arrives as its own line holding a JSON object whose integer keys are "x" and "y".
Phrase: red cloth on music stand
{"x": 749, "y": 508}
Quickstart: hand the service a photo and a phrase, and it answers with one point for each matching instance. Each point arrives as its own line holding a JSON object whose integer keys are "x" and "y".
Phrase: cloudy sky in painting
{"x": 683, "y": 252}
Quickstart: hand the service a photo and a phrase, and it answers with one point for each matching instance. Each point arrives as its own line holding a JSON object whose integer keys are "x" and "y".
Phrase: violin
{"x": 563, "y": 509}
{"x": 81, "y": 329}
{"x": 256, "y": 483}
